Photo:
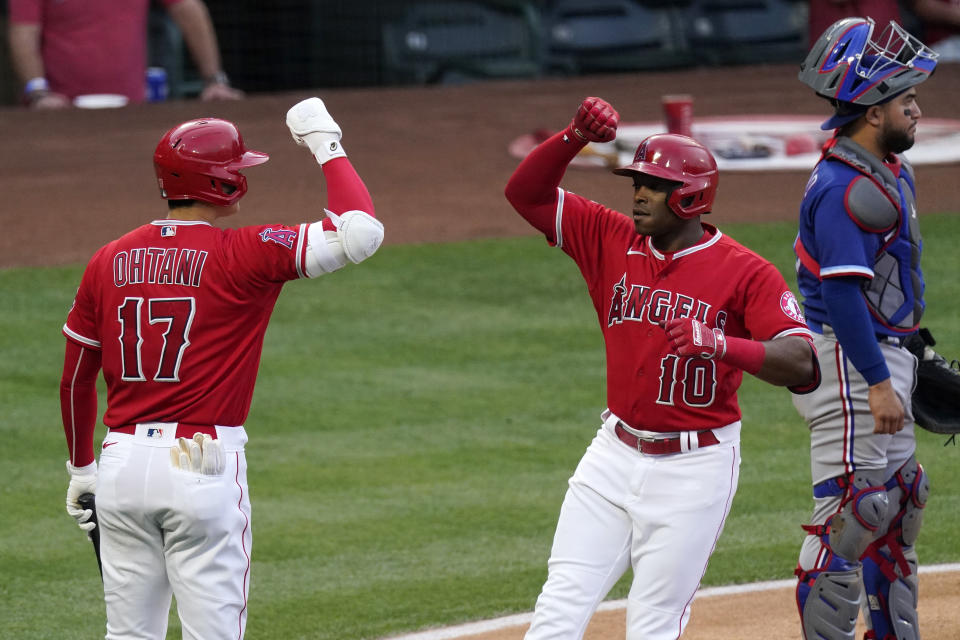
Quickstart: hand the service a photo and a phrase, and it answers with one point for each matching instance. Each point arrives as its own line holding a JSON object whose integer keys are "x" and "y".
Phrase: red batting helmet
{"x": 680, "y": 159}
{"x": 201, "y": 160}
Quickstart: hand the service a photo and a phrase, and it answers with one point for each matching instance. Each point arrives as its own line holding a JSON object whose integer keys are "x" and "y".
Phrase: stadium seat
{"x": 452, "y": 42}
{"x": 724, "y": 32}
{"x": 585, "y": 36}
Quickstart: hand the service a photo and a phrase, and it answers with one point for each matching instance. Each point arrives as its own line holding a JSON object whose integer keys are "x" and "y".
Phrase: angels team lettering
{"x": 683, "y": 380}
{"x": 655, "y": 306}
{"x": 158, "y": 265}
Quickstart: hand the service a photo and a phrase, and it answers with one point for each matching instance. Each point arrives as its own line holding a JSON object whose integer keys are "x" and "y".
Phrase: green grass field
{"x": 413, "y": 427}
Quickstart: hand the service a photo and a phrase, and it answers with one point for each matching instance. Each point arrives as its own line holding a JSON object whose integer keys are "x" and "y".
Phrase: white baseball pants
{"x": 660, "y": 514}
{"x": 164, "y": 531}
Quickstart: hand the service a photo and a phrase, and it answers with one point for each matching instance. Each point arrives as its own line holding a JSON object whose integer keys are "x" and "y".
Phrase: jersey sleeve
{"x": 771, "y": 310}
{"x": 583, "y": 227}
{"x": 842, "y": 247}
{"x": 265, "y": 254}
{"x": 78, "y": 401}
{"x": 82, "y": 325}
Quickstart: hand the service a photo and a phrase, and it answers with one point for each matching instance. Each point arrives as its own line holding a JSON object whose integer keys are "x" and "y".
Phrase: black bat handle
{"x": 88, "y": 501}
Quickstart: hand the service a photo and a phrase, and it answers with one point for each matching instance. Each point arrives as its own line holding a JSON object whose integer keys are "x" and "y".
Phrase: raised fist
{"x": 312, "y": 126}
{"x": 689, "y": 337}
{"x": 596, "y": 121}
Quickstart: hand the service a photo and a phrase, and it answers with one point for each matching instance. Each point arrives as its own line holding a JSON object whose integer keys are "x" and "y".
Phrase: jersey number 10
{"x": 696, "y": 377}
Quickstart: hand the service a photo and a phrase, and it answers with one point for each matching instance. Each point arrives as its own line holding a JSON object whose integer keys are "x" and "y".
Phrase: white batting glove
{"x": 201, "y": 454}
{"x": 82, "y": 480}
{"x": 312, "y": 126}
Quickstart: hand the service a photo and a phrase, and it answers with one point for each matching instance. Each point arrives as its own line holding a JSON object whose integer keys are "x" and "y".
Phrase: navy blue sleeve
{"x": 851, "y": 321}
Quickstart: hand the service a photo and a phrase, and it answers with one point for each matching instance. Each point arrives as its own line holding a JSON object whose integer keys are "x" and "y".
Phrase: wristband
{"x": 36, "y": 84}
{"x": 745, "y": 354}
{"x": 220, "y": 77}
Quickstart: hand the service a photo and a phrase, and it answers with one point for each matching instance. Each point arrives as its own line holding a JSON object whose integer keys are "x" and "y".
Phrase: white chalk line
{"x": 496, "y": 624}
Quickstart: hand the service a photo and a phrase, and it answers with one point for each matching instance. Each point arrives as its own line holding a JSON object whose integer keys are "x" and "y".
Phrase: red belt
{"x": 705, "y": 438}
{"x": 183, "y": 430}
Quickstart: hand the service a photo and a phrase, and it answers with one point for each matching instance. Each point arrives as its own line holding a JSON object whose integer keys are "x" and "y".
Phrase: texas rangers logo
{"x": 790, "y": 306}
{"x": 155, "y": 432}
{"x": 283, "y": 237}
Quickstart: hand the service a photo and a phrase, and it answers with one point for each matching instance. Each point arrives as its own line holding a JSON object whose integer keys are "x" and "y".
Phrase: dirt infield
{"x": 769, "y": 614}
{"x": 436, "y": 162}
{"x": 435, "y": 159}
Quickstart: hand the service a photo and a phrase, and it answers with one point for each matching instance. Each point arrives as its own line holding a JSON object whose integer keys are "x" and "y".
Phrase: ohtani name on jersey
{"x": 655, "y": 305}
{"x": 158, "y": 265}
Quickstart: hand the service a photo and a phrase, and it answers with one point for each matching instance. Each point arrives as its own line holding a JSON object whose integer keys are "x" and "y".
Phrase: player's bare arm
{"x": 788, "y": 362}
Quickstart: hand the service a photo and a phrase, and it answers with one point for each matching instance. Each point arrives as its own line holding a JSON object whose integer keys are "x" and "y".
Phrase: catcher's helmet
{"x": 854, "y": 70}
{"x": 680, "y": 159}
{"x": 201, "y": 160}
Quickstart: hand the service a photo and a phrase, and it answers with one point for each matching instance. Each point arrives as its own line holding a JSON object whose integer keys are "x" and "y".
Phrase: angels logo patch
{"x": 283, "y": 237}
{"x": 790, "y": 306}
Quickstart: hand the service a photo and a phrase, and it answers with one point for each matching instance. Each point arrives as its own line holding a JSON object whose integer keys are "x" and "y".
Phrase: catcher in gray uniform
{"x": 858, "y": 268}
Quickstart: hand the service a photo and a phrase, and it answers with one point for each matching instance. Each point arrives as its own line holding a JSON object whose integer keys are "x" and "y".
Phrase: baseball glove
{"x": 936, "y": 398}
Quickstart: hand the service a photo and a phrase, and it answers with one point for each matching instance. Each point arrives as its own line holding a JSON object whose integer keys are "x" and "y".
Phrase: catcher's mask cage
{"x": 683, "y": 160}
{"x": 854, "y": 70}
{"x": 201, "y": 160}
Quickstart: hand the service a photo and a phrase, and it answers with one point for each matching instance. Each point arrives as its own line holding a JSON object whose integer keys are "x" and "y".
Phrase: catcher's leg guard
{"x": 892, "y": 604}
{"x": 890, "y": 563}
{"x": 829, "y": 600}
{"x": 828, "y": 596}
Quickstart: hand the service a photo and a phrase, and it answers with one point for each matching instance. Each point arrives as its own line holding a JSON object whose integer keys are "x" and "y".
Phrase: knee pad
{"x": 912, "y": 490}
{"x": 829, "y": 600}
{"x": 862, "y": 513}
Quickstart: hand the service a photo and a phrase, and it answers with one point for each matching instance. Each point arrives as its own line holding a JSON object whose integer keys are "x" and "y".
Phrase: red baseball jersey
{"x": 179, "y": 310}
{"x": 635, "y": 287}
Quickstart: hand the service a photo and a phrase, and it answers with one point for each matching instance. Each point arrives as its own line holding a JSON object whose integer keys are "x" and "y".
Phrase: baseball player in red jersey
{"x": 174, "y": 313}
{"x": 684, "y": 311}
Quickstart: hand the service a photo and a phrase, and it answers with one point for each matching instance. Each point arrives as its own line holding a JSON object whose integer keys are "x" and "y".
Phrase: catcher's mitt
{"x": 936, "y": 398}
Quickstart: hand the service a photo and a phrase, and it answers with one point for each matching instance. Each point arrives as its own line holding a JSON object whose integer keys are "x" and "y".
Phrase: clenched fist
{"x": 596, "y": 121}
{"x": 690, "y": 337}
{"x": 312, "y": 126}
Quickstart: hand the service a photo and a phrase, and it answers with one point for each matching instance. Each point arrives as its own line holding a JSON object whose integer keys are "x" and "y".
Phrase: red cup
{"x": 678, "y": 114}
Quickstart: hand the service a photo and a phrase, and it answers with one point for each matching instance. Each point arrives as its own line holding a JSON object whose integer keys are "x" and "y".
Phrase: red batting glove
{"x": 690, "y": 337}
{"x": 596, "y": 121}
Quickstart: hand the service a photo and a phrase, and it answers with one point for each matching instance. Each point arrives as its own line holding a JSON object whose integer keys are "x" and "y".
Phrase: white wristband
{"x": 36, "y": 84}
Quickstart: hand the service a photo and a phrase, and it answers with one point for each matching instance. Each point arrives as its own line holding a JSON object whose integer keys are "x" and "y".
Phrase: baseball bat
{"x": 88, "y": 501}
